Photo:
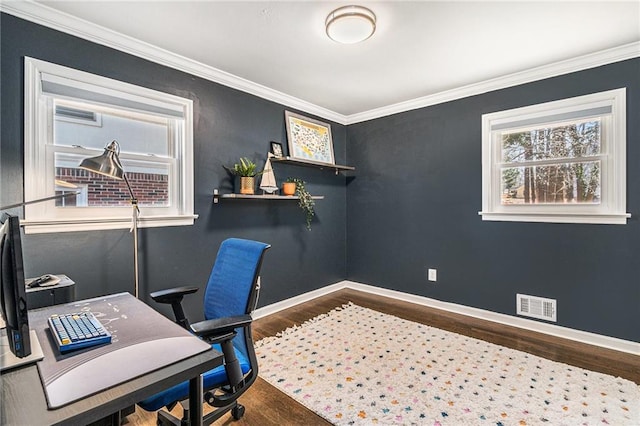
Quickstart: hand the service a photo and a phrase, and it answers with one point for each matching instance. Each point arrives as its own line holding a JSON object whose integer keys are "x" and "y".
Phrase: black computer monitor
{"x": 13, "y": 297}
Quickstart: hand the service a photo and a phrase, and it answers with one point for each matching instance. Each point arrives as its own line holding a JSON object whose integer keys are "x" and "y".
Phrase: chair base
{"x": 167, "y": 419}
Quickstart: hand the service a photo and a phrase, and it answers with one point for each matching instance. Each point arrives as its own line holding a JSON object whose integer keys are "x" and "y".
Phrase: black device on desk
{"x": 13, "y": 299}
{"x": 48, "y": 294}
{"x": 18, "y": 344}
{"x": 45, "y": 280}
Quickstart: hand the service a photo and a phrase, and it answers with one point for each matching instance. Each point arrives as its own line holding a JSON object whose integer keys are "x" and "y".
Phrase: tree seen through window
{"x": 553, "y": 164}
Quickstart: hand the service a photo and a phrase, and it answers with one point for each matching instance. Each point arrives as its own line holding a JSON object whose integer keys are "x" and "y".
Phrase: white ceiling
{"x": 420, "y": 48}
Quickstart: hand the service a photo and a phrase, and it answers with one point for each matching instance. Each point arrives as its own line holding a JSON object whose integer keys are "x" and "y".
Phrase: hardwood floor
{"x": 265, "y": 405}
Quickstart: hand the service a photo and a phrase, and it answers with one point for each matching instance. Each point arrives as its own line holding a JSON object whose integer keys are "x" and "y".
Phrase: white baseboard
{"x": 527, "y": 324}
{"x": 305, "y": 297}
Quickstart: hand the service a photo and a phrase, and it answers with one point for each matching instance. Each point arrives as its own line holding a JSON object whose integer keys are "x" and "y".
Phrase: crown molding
{"x": 60, "y": 21}
{"x": 604, "y": 57}
{"x": 52, "y": 18}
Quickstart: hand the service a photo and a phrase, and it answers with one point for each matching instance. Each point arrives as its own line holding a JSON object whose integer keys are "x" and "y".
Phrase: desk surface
{"x": 24, "y": 401}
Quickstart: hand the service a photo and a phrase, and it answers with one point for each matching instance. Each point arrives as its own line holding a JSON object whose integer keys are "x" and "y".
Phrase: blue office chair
{"x": 230, "y": 298}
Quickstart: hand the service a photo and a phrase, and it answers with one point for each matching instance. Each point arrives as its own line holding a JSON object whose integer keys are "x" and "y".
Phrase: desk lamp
{"x": 108, "y": 164}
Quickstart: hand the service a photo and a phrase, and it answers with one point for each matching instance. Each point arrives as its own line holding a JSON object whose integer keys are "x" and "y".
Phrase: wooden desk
{"x": 24, "y": 401}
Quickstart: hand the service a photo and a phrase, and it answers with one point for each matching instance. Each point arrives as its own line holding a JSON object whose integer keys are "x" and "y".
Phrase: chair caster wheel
{"x": 237, "y": 412}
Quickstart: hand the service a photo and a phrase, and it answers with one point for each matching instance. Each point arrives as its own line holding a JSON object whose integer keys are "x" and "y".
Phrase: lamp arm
{"x": 134, "y": 230}
{"x": 39, "y": 200}
{"x": 134, "y": 200}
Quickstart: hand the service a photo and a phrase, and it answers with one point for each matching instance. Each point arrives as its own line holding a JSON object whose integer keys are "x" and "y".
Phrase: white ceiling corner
{"x": 422, "y": 53}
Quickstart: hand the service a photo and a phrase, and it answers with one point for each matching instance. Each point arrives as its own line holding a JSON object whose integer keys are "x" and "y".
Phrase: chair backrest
{"x": 231, "y": 289}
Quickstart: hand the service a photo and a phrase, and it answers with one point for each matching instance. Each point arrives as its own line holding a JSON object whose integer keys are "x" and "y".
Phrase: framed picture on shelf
{"x": 309, "y": 139}
{"x": 276, "y": 149}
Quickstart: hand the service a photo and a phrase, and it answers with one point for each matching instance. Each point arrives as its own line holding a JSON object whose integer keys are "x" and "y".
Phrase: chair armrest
{"x": 214, "y": 327}
{"x": 172, "y": 295}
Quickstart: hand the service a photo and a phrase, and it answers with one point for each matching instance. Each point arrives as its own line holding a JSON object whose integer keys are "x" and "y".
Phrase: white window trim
{"x": 612, "y": 208}
{"x": 38, "y": 217}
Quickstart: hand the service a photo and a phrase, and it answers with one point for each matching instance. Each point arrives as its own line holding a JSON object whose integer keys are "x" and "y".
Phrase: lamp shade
{"x": 350, "y": 24}
{"x": 107, "y": 164}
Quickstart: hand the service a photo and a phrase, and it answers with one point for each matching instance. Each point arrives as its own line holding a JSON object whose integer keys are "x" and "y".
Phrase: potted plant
{"x": 305, "y": 202}
{"x": 245, "y": 170}
{"x": 289, "y": 187}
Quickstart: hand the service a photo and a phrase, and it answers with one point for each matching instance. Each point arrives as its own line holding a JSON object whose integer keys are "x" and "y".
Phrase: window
{"x": 562, "y": 161}
{"x": 71, "y": 115}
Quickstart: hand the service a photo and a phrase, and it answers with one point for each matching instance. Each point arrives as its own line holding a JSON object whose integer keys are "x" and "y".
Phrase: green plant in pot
{"x": 305, "y": 202}
{"x": 246, "y": 171}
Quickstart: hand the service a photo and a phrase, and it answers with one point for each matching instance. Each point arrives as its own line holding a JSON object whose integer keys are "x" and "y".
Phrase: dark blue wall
{"x": 228, "y": 124}
{"x": 415, "y": 203}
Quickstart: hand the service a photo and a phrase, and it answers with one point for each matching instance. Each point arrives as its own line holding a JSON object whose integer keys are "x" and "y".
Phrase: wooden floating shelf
{"x": 268, "y": 197}
{"x": 310, "y": 163}
{"x": 217, "y": 196}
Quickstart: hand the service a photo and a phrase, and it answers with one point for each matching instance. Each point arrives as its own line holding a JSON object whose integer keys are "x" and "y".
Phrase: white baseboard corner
{"x": 527, "y": 324}
{"x": 296, "y": 300}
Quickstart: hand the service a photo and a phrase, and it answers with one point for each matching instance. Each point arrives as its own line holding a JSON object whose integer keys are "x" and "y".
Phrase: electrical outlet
{"x": 432, "y": 275}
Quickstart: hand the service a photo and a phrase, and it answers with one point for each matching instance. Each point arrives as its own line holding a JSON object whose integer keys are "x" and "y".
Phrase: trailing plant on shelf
{"x": 305, "y": 202}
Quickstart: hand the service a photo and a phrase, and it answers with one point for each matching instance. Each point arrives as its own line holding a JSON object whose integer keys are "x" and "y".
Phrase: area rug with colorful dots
{"x": 358, "y": 366}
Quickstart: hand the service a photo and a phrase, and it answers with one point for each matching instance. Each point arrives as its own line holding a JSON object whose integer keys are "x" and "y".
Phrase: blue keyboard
{"x": 77, "y": 331}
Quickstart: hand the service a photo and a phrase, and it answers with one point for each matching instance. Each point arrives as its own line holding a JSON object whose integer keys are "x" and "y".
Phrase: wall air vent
{"x": 536, "y": 307}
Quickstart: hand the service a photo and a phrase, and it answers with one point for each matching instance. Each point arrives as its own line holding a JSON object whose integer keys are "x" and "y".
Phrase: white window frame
{"x": 39, "y": 173}
{"x": 612, "y": 206}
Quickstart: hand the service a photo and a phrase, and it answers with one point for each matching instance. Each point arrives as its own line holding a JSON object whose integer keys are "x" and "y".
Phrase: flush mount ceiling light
{"x": 350, "y": 24}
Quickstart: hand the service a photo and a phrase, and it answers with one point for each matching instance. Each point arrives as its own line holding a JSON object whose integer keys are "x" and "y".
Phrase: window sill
{"x": 609, "y": 219}
{"x": 97, "y": 224}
